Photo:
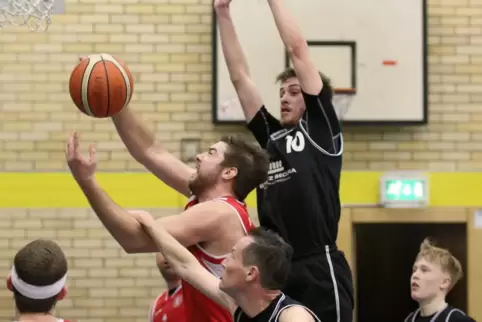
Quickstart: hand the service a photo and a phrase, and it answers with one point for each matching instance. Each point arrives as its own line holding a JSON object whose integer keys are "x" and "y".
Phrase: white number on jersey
{"x": 296, "y": 143}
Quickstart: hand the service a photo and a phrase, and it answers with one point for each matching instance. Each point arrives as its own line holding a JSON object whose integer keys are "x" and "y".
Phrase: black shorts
{"x": 312, "y": 282}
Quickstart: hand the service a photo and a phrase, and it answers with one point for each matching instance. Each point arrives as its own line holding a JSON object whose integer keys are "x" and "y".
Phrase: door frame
{"x": 351, "y": 216}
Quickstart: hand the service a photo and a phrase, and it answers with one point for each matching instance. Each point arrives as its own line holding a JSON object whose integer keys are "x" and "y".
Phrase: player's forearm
{"x": 121, "y": 224}
{"x": 233, "y": 53}
{"x": 288, "y": 28}
{"x": 179, "y": 257}
{"x": 137, "y": 137}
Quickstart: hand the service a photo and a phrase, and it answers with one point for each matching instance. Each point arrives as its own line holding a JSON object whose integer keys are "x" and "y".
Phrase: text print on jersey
{"x": 276, "y": 174}
{"x": 295, "y": 143}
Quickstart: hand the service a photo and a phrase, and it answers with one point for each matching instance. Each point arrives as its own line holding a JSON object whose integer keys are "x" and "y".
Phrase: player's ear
{"x": 447, "y": 281}
{"x": 230, "y": 173}
{"x": 62, "y": 294}
{"x": 9, "y": 283}
{"x": 252, "y": 274}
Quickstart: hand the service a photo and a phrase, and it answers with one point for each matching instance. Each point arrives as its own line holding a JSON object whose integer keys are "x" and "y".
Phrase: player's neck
{"x": 255, "y": 302}
{"x": 213, "y": 193}
{"x": 432, "y": 306}
{"x": 36, "y": 317}
{"x": 173, "y": 285}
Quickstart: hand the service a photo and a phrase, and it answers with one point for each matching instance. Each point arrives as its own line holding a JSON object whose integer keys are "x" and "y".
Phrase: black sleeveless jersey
{"x": 272, "y": 312}
{"x": 300, "y": 200}
{"x": 449, "y": 314}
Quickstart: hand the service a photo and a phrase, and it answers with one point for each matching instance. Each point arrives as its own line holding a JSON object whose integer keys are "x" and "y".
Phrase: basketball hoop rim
{"x": 345, "y": 91}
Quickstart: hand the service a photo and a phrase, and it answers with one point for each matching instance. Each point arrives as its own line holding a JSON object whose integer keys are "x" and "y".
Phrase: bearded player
{"x": 213, "y": 220}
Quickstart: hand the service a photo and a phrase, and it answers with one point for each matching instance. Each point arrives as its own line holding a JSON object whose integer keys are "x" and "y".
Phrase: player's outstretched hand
{"x": 218, "y": 4}
{"x": 83, "y": 169}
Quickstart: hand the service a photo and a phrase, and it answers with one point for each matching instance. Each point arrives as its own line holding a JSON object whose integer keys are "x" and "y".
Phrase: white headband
{"x": 36, "y": 292}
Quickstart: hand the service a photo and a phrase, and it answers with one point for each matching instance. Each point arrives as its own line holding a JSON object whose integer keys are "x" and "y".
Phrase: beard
{"x": 201, "y": 182}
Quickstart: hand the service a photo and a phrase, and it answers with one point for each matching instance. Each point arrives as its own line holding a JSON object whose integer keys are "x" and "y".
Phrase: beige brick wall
{"x": 167, "y": 46}
{"x": 105, "y": 284}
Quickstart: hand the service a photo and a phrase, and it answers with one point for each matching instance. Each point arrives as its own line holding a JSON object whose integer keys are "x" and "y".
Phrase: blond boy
{"x": 435, "y": 273}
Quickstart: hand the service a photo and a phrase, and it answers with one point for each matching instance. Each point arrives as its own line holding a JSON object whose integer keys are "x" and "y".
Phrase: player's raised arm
{"x": 297, "y": 47}
{"x": 185, "y": 264}
{"x": 237, "y": 65}
{"x": 143, "y": 146}
{"x": 193, "y": 226}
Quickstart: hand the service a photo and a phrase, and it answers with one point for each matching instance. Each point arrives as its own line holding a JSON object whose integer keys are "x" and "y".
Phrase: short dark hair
{"x": 40, "y": 263}
{"x": 251, "y": 161}
{"x": 272, "y": 255}
{"x": 290, "y": 73}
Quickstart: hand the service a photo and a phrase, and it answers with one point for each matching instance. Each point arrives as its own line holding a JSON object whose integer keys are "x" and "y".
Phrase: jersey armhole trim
{"x": 292, "y": 305}
{"x": 409, "y": 316}
{"x": 238, "y": 214}
{"x": 452, "y": 311}
{"x": 319, "y": 148}
{"x": 333, "y": 137}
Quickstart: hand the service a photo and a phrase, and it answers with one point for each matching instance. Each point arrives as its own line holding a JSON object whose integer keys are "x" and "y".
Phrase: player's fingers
{"x": 69, "y": 148}
{"x": 92, "y": 158}
{"x": 76, "y": 143}
{"x": 81, "y": 58}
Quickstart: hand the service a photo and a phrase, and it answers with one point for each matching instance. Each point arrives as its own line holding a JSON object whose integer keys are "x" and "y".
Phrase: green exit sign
{"x": 399, "y": 191}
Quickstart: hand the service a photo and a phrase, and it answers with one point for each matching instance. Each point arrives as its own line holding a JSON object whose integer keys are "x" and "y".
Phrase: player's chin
{"x": 288, "y": 120}
{"x": 416, "y": 296}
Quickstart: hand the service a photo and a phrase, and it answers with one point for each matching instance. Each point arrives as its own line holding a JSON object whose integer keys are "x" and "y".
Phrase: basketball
{"x": 101, "y": 85}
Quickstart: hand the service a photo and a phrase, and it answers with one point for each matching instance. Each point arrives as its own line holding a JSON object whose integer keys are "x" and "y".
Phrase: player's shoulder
{"x": 456, "y": 315}
{"x": 296, "y": 312}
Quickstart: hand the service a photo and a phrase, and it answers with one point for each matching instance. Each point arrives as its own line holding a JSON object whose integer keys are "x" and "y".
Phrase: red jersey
{"x": 200, "y": 308}
{"x": 167, "y": 307}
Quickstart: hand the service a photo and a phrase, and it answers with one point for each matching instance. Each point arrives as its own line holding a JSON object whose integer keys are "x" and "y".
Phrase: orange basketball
{"x": 101, "y": 85}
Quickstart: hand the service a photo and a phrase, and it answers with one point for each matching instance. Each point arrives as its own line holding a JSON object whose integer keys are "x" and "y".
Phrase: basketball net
{"x": 35, "y": 14}
{"x": 342, "y": 101}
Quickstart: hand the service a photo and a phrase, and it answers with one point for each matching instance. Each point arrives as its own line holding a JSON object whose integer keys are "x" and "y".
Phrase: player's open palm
{"x": 82, "y": 168}
{"x": 221, "y": 3}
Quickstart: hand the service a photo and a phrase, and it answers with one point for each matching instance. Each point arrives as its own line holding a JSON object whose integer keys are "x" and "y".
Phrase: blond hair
{"x": 442, "y": 257}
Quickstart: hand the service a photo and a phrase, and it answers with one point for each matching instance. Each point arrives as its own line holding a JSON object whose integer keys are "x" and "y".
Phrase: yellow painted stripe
{"x": 57, "y": 190}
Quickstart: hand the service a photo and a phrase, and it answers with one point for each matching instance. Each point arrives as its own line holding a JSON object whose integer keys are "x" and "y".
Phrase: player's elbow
{"x": 135, "y": 248}
{"x": 298, "y": 48}
{"x": 147, "y": 155}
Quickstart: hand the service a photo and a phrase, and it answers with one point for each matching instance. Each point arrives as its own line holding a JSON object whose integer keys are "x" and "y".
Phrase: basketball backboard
{"x": 377, "y": 48}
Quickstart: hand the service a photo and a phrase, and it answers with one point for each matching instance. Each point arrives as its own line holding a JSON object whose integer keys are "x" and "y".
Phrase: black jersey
{"x": 272, "y": 312}
{"x": 300, "y": 200}
{"x": 449, "y": 314}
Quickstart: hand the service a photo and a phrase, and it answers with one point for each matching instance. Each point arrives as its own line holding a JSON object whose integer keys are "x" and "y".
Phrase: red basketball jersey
{"x": 166, "y": 308}
{"x": 200, "y": 308}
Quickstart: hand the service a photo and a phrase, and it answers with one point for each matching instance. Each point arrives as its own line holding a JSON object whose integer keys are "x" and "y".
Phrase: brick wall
{"x": 167, "y": 46}
{"x": 105, "y": 284}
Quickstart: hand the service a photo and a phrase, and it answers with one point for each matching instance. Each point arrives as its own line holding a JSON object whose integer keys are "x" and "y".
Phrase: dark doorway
{"x": 384, "y": 257}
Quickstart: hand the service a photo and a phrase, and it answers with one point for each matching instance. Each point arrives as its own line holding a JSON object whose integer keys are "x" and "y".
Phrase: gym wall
{"x": 168, "y": 48}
